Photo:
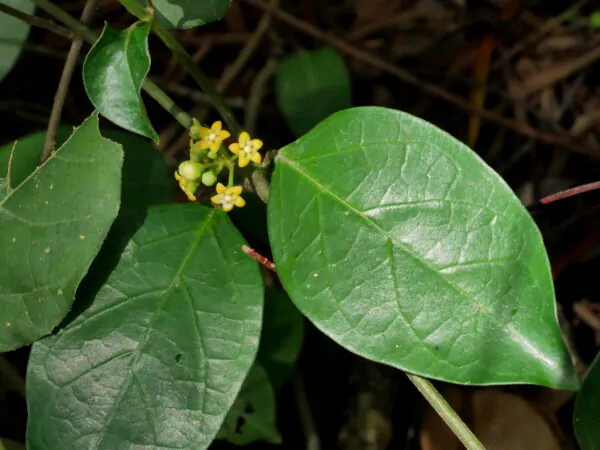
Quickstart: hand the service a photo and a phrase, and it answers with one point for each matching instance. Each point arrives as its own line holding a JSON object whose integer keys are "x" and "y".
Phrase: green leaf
{"x": 13, "y": 33}
{"x": 27, "y": 154}
{"x": 282, "y": 336}
{"x": 587, "y": 409}
{"x": 51, "y": 228}
{"x": 188, "y": 13}
{"x": 7, "y": 444}
{"x": 311, "y": 85}
{"x": 253, "y": 415}
{"x": 404, "y": 247}
{"x": 159, "y": 357}
{"x": 113, "y": 73}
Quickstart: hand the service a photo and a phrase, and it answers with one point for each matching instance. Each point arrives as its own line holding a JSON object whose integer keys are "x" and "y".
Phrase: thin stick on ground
{"x": 430, "y": 88}
{"x": 570, "y": 192}
{"x": 424, "y": 386}
{"x": 65, "y": 81}
{"x": 89, "y": 36}
{"x": 36, "y": 21}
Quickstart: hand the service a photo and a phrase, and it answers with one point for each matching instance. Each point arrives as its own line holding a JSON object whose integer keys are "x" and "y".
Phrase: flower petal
{"x": 228, "y": 207}
{"x": 214, "y": 146}
{"x": 235, "y": 190}
{"x": 217, "y": 126}
{"x": 217, "y": 199}
{"x": 244, "y": 137}
{"x": 204, "y": 131}
{"x": 234, "y": 148}
{"x": 243, "y": 160}
{"x": 221, "y": 188}
{"x": 224, "y": 135}
{"x": 257, "y": 144}
{"x": 240, "y": 202}
{"x": 256, "y": 157}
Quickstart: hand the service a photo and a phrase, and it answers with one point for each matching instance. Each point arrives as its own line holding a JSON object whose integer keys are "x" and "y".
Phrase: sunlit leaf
{"x": 158, "y": 358}
{"x": 188, "y": 13}
{"x": 399, "y": 243}
{"x": 113, "y": 73}
{"x": 51, "y": 227}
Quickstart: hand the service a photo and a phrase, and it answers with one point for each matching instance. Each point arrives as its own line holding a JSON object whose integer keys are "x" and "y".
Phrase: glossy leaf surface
{"x": 13, "y": 33}
{"x": 311, "y": 85}
{"x": 399, "y": 243}
{"x": 158, "y": 358}
{"x": 587, "y": 409}
{"x": 113, "y": 73}
{"x": 51, "y": 227}
{"x": 188, "y": 13}
{"x": 253, "y": 415}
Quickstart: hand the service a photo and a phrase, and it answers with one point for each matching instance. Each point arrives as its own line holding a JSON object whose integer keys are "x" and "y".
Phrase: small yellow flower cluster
{"x": 208, "y": 158}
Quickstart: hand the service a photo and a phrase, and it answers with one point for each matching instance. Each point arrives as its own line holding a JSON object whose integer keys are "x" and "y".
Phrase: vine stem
{"x": 446, "y": 412}
{"x": 424, "y": 386}
{"x": 63, "y": 85}
{"x": 190, "y": 65}
{"x": 89, "y": 36}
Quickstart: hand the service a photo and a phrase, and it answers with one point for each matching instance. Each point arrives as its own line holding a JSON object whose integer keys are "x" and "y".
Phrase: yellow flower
{"x": 228, "y": 197}
{"x": 212, "y": 138}
{"x": 247, "y": 149}
{"x": 187, "y": 186}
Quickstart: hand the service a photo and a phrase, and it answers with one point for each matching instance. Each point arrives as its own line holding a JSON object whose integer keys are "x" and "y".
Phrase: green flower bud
{"x": 212, "y": 155}
{"x": 209, "y": 178}
{"x": 190, "y": 170}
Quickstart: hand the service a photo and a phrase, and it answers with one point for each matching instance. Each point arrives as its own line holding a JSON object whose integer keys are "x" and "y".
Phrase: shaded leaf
{"x": 587, "y": 409}
{"x": 159, "y": 357}
{"x": 27, "y": 154}
{"x": 311, "y": 85}
{"x": 282, "y": 336}
{"x": 400, "y": 244}
{"x": 188, "y": 13}
{"x": 13, "y": 33}
{"x": 113, "y": 73}
{"x": 51, "y": 228}
{"x": 253, "y": 415}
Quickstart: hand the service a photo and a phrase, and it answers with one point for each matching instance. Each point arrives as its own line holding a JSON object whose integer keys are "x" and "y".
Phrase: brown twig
{"x": 428, "y": 87}
{"x": 570, "y": 192}
{"x": 63, "y": 85}
{"x": 37, "y": 21}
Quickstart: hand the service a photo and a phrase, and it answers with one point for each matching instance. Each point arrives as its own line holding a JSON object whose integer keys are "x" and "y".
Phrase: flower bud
{"x": 190, "y": 170}
{"x": 209, "y": 178}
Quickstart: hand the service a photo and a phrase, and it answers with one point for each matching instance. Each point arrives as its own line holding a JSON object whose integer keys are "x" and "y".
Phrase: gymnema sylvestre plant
{"x": 393, "y": 238}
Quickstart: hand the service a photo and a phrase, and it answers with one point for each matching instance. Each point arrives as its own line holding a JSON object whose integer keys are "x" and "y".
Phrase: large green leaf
{"x": 282, "y": 336}
{"x": 587, "y": 409}
{"x": 311, "y": 85}
{"x": 51, "y": 228}
{"x": 13, "y": 33}
{"x": 253, "y": 414}
{"x": 159, "y": 357}
{"x": 188, "y": 13}
{"x": 400, "y": 244}
{"x": 113, "y": 73}
{"x": 26, "y": 158}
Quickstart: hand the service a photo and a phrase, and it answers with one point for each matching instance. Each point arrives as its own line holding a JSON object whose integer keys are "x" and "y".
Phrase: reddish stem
{"x": 258, "y": 257}
{"x": 570, "y": 192}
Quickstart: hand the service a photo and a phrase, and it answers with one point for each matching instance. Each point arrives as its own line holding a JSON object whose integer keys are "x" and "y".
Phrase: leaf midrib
{"x": 518, "y": 337}
{"x": 165, "y": 295}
